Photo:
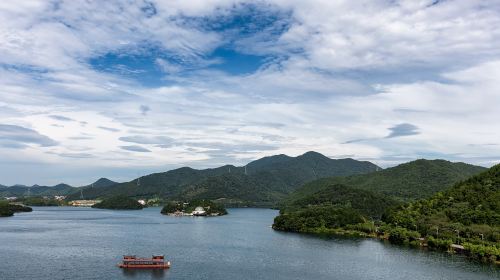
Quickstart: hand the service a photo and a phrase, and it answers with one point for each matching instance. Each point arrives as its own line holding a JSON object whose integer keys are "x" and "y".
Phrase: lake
{"x": 85, "y": 243}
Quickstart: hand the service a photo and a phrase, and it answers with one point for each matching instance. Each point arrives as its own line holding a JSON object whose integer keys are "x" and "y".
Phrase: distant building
{"x": 11, "y": 198}
{"x": 83, "y": 203}
{"x": 141, "y": 201}
{"x": 199, "y": 211}
{"x": 59, "y": 197}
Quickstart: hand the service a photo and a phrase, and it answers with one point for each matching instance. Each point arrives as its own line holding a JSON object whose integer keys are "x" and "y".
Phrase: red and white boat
{"x": 155, "y": 262}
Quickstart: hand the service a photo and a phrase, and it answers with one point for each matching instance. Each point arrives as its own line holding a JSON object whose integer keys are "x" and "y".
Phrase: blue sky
{"x": 117, "y": 89}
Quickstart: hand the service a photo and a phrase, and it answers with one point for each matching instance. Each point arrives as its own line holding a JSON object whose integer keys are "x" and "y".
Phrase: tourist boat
{"x": 155, "y": 262}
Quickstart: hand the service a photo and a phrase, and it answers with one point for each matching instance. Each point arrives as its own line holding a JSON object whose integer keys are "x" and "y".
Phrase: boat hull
{"x": 145, "y": 266}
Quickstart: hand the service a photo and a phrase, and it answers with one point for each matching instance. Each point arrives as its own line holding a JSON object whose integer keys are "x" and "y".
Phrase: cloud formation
{"x": 205, "y": 83}
{"x": 13, "y": 136}
{"x": 403, "y": 129}
{"x": 135, "y": 148}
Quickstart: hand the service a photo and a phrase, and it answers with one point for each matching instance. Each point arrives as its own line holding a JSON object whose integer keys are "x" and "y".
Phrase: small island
{"x": 42, "y": 201}
{"x": 7, "y": 209}
{"x": 119, "y": 203}
{"x": 194, "y": 208}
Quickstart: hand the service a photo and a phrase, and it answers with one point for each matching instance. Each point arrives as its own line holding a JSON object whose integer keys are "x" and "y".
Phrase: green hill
{"x": 119, "y": 203}
{"x": 90, "y": 190}
{"x": 59, "y": 189}
{"x": 101, "y": 183}
{"x": 261, "y": 182}
{"x": 331, "y": 208}
{"x": 36, "y": 190}
{"x": 467, "y": 213}
{"x": 409, "y": 181}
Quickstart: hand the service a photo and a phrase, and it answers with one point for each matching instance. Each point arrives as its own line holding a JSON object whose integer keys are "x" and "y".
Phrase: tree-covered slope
{"x": 331, "y": 208}
{"x": 409, "y": 181}
{"x": 265, "y": 180}
{"x": 467, "y": 213}
{"x": 90, "y": 191}
{"x": 119, "y": 203}
{"x": 36, "y": 190}
{"x": 102, "y": 183}
{"x": 469, "y": 209}
{"x": 59, "y": 189}
{"x": 238, "y": 189}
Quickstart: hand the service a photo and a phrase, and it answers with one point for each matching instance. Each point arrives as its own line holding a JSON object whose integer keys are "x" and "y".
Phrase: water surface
{"x": 84, "y": 243}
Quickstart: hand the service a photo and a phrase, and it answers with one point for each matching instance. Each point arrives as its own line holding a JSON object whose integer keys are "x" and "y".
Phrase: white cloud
{"x": 341, "y": 71}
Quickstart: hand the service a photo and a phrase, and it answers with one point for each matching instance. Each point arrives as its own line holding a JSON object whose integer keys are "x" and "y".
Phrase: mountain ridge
{"x": 407, "y": 181}
{"x": 39, "y": 190}
{"x": 271, "y": 178}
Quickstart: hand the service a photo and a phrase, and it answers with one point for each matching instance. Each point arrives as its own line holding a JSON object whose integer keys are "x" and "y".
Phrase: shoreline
{"x": 421, "y": 243}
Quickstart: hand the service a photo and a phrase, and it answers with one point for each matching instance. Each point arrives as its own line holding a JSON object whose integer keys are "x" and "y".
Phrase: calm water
{"x": 82, "y": 243}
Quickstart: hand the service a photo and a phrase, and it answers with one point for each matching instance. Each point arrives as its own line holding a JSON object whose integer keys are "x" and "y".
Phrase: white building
{"x": 199, "y": 211}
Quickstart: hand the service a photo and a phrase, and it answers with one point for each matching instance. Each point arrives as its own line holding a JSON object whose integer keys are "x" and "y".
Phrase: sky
{"x": 118, "y": 89}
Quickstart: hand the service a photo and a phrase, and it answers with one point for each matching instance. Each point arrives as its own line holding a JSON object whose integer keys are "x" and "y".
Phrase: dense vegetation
{"x": 406, "y": 182}
{"x": 36, "y": 190}
{"x": 8, "y": 209}
{"x": 468, "y": 214}
{"x": 332, "y": 208}
{"x": 40, "y": 201}
{"x": 60, "y": 189}
{"x": 212, "y": 208}
{"x": 119, "y": 203}
{"x": 264, "y": 182}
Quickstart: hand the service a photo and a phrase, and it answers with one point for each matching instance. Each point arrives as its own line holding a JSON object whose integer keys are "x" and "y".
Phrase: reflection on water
{"x": 142, "y": 273}
{"x": 83, "y": 243}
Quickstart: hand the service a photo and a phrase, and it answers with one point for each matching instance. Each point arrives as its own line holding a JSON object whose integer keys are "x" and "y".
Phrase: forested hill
{"x": 36, "y": 190}
{"x": 266, "y": 180}
{"x": 471, "y": 206}
{"x": 467, "y": 213}
{"x": 331, "y": 208}
{"x": 59, "y": 189}
{"x": 405, "y": 182}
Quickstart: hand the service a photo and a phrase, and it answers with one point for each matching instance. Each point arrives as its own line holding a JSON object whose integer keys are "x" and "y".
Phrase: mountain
{"x": 59, "y": 189}
{"x": 36, "y": 190}
{"x": 468, "y": 213}
{"x": 89, "y": 190}
{"x": 258, "y": 189}
{"x": 409, "y": 181}
{"x": 102, "y": 183}
{"x": 264, "y": 181}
